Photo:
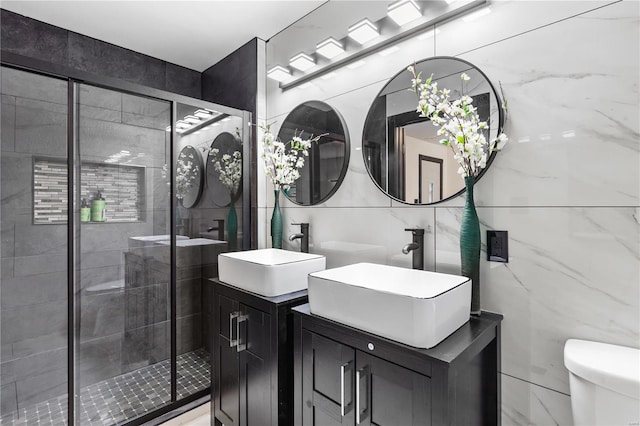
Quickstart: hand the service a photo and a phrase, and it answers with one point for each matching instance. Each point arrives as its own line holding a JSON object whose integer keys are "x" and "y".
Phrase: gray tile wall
{"x": 33, "y": 287}
{"x": 39, "y": 40}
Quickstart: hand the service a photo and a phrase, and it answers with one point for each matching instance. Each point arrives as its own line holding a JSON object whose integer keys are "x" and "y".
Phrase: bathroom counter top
{"x": 477, "y": 331}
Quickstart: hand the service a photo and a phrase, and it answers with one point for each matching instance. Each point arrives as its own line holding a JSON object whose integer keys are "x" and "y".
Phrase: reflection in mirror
{"x": 189, "y": 176}
{"x": 224, "y": 144}
{"x": 324, "y": 169}
{"x": 401, "y": 150}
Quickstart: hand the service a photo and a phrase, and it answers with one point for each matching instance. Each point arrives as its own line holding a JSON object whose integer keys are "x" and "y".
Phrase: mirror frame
{"x": 346, "y": 158}
{"x": 209, "y": 166}
{"x": 501, "y": 118}
{"x": 200, "y": 183}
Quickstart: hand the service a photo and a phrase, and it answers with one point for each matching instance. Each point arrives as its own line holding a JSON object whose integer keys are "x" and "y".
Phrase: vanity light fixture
{"x": 389, "y": 51}
{"x": 377, "y": 36}
{"x": 180, "y": 124}
{"x": 357, "y": 64}
{"x": 403, "y": 11}
{"x": 475, "y": 15}
{"x": 330, "y": 48}
{"x": 279, "y": 73}
{"x": 203, "y": 113}
{"x": 302, "y": 62}
{"x": 363, "y": 31}
{"x": 192, "y": 119}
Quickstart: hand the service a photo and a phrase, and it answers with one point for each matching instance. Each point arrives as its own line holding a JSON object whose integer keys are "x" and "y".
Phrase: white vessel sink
{"x": 417, "y": 308}
{"x": 268, "y": 272}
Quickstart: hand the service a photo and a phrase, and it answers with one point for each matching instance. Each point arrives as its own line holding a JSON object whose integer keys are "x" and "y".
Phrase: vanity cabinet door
{"x": 390, "y": 395}
{"x": 254, "y": 334}
{"x": 226, "y": 378}
{"x": 328, "y": 372}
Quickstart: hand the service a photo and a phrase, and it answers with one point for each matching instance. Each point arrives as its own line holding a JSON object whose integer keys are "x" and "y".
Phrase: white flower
{"x": 229, "y": 168}
{"x": 282, "y": 160}
{"x": 458, "y": 122}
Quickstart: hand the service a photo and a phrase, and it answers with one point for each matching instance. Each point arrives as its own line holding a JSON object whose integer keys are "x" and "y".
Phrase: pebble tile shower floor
{"x": 122, "y": 398}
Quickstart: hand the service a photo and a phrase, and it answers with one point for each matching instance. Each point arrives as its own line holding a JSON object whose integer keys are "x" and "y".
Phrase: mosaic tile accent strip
{"x": 122, "y": 188}
{"x": 122, "y": 398}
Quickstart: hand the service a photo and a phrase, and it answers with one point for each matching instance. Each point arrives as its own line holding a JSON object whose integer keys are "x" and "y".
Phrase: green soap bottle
{"x": 85, "y": 211}
{"x": 98, "y": 210}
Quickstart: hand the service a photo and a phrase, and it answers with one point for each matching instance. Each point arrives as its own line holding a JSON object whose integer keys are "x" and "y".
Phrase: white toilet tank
{"x": 605, "y": 383}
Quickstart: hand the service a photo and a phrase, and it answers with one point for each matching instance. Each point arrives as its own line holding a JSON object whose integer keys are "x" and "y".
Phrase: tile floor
{"x": 124, "y": 397}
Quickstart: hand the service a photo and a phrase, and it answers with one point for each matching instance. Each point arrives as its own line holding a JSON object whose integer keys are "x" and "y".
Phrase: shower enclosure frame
{"x": 74, "y": 78}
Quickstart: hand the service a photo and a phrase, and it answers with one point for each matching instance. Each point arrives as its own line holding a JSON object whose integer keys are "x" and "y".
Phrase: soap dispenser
{"x": 98, "y": 208}
{"x": 85, "y": 211}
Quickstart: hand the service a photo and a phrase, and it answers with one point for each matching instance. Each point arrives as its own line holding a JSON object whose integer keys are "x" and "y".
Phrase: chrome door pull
{"x": 343, "y": 407}
{"x": 358, "y": 413}
{"x": 232, "y": 342}
{"x": 241, "y": 344}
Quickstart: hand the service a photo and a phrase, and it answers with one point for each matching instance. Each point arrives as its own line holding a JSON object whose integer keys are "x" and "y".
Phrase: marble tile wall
{"x": 566, "y": 187}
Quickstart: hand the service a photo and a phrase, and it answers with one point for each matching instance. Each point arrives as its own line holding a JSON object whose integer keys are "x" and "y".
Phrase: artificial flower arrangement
{"x": 282, "y": 160}
{"x": 186, "y": 172}
{"x": 459, "y": 123}
{"x": 229, "y": 168}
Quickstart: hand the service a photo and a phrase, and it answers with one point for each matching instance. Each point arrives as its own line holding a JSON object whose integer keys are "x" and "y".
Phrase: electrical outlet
{"x": 498, "y": 246}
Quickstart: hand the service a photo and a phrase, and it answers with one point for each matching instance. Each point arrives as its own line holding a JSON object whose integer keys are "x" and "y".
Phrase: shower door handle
{"x": 233, "y": 316}
{"x": 241, "y": 344}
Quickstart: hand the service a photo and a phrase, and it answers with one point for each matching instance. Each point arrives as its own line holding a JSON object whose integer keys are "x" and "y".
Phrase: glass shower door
{"x": 33, "y": 284}
{"x": 123, "y": 285}
{"x": 208, "y": 213}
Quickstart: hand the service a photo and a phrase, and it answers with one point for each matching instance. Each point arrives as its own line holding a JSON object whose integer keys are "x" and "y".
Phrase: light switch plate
{"x": 498, "y": 246}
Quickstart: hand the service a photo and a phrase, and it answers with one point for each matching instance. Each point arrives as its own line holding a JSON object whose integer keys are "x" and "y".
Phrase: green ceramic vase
{"x": 232, "y": 227}
{"x": 470, "y": 245}
{"x": 276, "y": 222}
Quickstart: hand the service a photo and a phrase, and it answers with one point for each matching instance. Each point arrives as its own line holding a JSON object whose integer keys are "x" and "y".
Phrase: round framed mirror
{"x": 189, "y": 176}
{"x": 401, "y": 150}
{"x": 328, "y": 159}
{"x": 229, "y": 169}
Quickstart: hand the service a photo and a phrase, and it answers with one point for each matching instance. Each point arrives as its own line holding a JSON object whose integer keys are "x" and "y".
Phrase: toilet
{"x": 605, "y": 383}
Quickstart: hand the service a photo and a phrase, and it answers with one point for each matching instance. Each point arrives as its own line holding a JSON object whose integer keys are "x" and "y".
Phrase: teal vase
{"x": 470, "y": 245}
{"x": 276, "y": 222}
{"x": 232, "y": 227}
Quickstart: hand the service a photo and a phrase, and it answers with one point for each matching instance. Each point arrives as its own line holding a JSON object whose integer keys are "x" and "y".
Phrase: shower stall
{"x": 104, "y": 291}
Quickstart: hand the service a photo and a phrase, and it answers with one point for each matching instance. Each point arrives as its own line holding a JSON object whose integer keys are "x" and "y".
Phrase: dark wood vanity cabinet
{"x": 345, "y": 376}
{"x": 252, "y": 374}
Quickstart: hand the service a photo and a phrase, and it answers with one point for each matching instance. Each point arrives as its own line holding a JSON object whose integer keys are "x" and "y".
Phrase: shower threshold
{"x": 122, "y": 398}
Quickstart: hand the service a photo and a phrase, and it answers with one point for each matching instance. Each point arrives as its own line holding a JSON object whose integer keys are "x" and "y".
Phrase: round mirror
{"x": 402, "y": 151}
{"x": 324, "y": 169}
{"x": 224, "y": 174}
{"x": 189, "y": 175}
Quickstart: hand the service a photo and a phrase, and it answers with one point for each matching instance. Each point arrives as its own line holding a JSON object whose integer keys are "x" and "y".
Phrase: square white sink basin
{"x": 268, "y": 272}
{"x": 417, "y": 308}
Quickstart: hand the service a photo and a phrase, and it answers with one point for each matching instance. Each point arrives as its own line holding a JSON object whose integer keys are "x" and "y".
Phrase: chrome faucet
{"x": 417, "y": 247}
{"x": 219, "y": 227}
{"x": 303, "y": 236}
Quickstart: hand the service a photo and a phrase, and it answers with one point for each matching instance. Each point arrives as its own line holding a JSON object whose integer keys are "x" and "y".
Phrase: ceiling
{"x": 194, "y": 34}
